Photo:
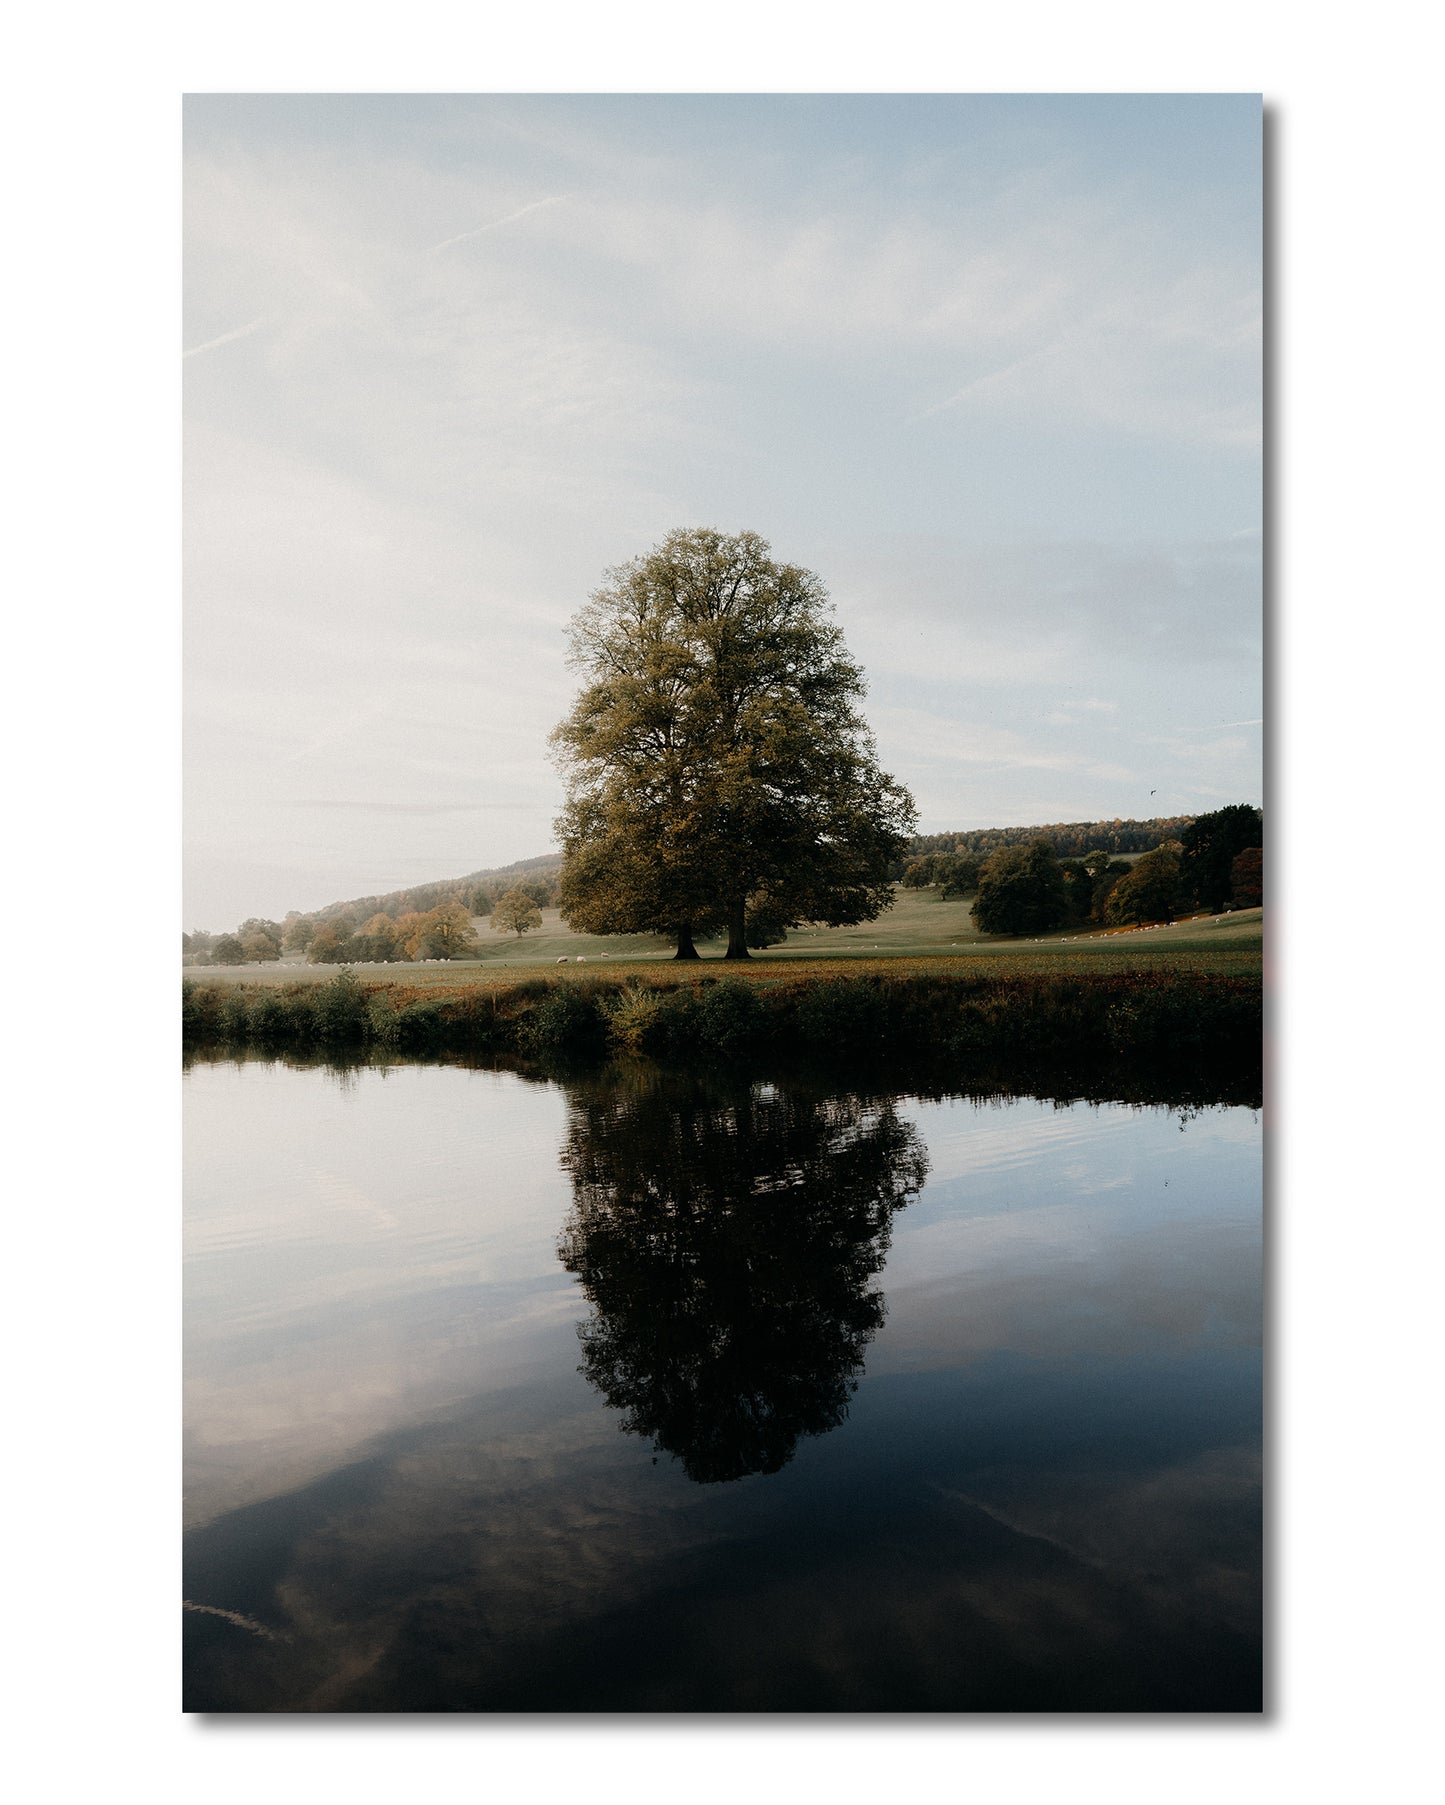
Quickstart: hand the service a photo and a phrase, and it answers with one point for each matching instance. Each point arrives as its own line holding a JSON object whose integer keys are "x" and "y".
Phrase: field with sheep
{"x": 918, "y": 928}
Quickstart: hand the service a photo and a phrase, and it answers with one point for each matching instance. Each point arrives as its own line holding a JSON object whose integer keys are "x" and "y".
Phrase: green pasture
{"x": 918, "y": 926}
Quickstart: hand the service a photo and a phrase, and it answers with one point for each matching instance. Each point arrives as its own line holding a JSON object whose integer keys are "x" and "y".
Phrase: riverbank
{"x": 1171, "y": 1013}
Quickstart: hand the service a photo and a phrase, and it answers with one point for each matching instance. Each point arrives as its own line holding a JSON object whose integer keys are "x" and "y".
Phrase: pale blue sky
{"x": 990, "y": 365}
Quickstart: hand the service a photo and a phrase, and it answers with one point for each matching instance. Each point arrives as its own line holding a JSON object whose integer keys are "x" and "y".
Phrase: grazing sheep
{"x": 563, "y": 959}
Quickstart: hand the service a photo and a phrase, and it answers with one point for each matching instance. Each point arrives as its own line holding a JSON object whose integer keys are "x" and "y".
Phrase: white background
{"x": 92, "y": 134}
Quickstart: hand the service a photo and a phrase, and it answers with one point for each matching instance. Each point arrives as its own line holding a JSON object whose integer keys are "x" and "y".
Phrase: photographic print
{"x": 724, "y": 886}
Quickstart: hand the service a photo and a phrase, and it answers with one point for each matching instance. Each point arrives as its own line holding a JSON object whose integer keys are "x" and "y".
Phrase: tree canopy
{"x": 1149, "y": 892}
{"x": 954, "y": 874}
{"x": 1211, "y": 843}
{"x": 1021, "y": 891}
{"x": 516, "y": 913}
{"x": 1247, "y": 878}
{"x": 719, "y": 770}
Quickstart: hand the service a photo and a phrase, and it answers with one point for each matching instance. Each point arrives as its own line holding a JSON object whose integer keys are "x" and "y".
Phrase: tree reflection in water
{"x": 726, "y": 1233}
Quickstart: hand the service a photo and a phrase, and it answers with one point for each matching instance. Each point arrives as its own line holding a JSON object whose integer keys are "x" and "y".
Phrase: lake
{"x": 644, "y": 1391}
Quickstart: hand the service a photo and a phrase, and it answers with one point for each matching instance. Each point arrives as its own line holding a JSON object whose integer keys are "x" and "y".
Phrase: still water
{"x": 646, "y": 1392}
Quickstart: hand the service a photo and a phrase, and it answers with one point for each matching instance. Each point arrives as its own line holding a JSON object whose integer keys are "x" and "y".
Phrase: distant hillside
{"x": 1069, "y": 839}
{"x": 447, "y": 889}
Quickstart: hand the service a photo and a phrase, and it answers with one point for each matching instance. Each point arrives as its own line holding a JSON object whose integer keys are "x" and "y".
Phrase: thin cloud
{"x": 1214, "y": 726}
{"x": 987, "y": 380}
{"x": 226, "y": 338}
{"x": 549, "y": 200}
{"x": 410, "y": 808}
{"x": 335, "y": 735}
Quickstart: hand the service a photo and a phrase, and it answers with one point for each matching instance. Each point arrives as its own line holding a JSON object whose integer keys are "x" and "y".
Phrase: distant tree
{"x": 516, "y": 913}
{"x": 449, "y": 932}
{"x": 329, "y": 945}
{"x": 1078, "y": 889}
{"x": 228, "y": 950}
{"x": 1021, "y": 891}
{"x": 1211, "y": 843}
{"x": 1150, "y": 892}
{"x": 378, "y": 941}
{"x": 259, "y": 949}
{"x": 1105, "y": 878}
{"x": 480, "y": 901}
{"x": 297, "y": 935}
{"x": 958, "y": 874}
{"x": 1247, "y": 878}
{"x": 255, "y": 926}
{"x": 410, "y": 931}
{"x": 951, "y": 873}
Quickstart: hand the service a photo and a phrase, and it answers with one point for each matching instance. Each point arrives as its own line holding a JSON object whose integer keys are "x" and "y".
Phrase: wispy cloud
{"x": 1076, "y": 712}
{"x": 932, "y": 739}
{"x": 990, "y": 379}
{"x": 226, "y": 338}
{"x": 410, "y": 808}
{"x": 549, "y": 200}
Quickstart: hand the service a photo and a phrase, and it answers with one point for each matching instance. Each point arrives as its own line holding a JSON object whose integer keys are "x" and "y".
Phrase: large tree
{"x": 718, "y": 766}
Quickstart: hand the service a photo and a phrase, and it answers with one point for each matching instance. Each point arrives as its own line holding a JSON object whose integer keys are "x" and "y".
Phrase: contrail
{"x": 492, "y": 224}
{"x": 979, "y": 382}
{"x": 245, "y": 1623}
{"x": 226, "y": 338}
{"x": 251, "y": 326}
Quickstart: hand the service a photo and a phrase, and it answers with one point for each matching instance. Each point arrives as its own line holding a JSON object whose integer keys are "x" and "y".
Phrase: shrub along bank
{"x": 1178, "y": 1017}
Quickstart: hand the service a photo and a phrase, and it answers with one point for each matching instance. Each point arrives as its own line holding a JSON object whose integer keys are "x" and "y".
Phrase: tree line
{"x": 444, "y": 932}
{"x": 1216, "y": 863}
{"x": 1068, "y": 839}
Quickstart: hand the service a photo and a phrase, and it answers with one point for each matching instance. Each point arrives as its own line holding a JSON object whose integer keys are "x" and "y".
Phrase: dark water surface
{"x": 645, "y": 1392}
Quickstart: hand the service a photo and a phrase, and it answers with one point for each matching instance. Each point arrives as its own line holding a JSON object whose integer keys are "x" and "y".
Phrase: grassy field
{"x": 920, "y": 932}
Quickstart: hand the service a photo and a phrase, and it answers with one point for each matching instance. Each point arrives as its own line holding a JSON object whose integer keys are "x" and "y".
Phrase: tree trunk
{"x": 737, "y": 931}
{"x": 685, "y": 947}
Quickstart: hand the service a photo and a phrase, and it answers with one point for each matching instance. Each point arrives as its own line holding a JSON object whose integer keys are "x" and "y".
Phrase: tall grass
{"x": 1171, "y": 1016}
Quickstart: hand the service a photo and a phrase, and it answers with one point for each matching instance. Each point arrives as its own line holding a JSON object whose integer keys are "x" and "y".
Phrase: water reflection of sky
{"x": 1045, "y": 1494}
